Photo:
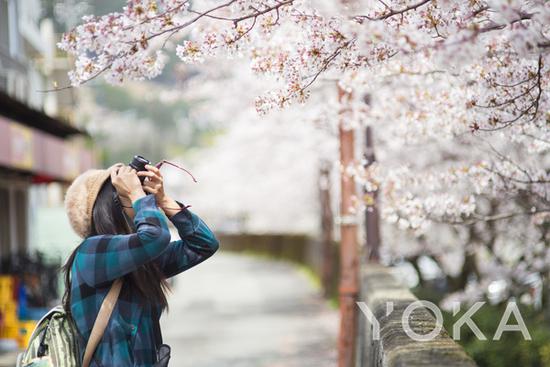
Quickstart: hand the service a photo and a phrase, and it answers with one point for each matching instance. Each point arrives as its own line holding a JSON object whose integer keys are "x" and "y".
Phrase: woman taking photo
{"x": 122, "y": 221}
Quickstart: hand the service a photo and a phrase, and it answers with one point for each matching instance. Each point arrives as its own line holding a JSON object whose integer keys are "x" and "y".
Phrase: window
{"x": 3, "y": 82}
{"x": 5, "y": 240}
{"x": 14, "y": 222}
{"x": 21, "y": 220}
{"x": 4, "y": 25}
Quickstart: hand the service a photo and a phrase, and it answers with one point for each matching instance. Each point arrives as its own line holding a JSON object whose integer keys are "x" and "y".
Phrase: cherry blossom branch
{"x": 257, "y": 13}
{"x": 488, "y": 218}
{"x": 59, "y": 89}
{"x": 534, "y": 103}
{"x": 326, "y": 63}
{"x": 497, "y": 26}
{"x": 505, "y": 158}
{"x": 516, "y": 180}
{"x": 158, "y": 16}
{"x": 208, "y": 14}
{"x": 190, "y": 22}
{"x": 503, "y": 216}
{"x": 393, "y": 12}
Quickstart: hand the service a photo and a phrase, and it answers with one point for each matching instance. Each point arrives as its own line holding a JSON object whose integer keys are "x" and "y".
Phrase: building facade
{"x": 39, "y": 145}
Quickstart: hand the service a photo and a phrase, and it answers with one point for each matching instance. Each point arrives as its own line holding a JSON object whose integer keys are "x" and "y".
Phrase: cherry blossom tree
{"x": 459, "y": 103}
{"x": 255, "y": 176}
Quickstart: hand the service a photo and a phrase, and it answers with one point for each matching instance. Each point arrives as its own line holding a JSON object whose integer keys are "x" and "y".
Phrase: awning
{"x": 16, "y": 110}
{"x": 46, "y": 157}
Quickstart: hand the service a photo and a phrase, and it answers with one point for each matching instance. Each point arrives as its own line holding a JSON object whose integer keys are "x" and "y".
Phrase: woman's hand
{"x": 126, "y": 182}
{"x": 154, "y": 184}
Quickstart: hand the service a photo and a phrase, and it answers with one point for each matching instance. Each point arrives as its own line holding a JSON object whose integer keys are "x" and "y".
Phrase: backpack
{"x": 54, "y": 341}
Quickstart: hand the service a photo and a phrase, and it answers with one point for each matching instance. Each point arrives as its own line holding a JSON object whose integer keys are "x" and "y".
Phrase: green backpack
{"x": 54, "y": 341}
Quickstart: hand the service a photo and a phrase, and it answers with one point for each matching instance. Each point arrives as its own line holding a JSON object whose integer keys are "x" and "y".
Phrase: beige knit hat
{"x": 81, "y": 196}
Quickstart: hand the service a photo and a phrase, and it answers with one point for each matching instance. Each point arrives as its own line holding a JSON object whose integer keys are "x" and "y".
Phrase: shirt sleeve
{"x": 104, "y": 258}
{"x": 197, "y": 243}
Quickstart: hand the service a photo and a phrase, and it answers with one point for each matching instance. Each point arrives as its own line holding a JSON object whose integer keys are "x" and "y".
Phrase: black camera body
{"x": 138, "y": 163}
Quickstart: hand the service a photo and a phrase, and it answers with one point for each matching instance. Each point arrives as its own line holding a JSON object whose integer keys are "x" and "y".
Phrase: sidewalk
{"x": 8, "y": 359}
{"x": 240, "y": 311}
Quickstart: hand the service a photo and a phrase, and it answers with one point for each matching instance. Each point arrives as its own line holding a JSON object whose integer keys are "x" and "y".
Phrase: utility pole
{"x": 372, "y": 221}
{"x": 327, "y": 220}
{"x": 349, "y": 264}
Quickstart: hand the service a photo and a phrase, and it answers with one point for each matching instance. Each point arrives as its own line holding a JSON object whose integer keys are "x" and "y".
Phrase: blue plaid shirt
{"x": 129, "y": 338}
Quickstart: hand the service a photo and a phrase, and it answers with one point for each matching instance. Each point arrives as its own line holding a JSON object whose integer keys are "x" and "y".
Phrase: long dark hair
{"x": 109, "y": 218}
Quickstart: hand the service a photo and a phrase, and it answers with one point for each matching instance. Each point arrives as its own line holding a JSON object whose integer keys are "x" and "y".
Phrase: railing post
{"x": 349, "y": 264}
{"x": 372, "y": 221}
{"x": 327, "y": 220}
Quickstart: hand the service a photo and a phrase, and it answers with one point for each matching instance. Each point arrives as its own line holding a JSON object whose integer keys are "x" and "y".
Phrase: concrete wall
{"x": 395, "y": 348}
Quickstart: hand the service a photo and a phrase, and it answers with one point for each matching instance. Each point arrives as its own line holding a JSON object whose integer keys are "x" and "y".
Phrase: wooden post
{"x": 349, "y": 264}
{"x": 372, "y": 221}
{"x": 327, "y": 219}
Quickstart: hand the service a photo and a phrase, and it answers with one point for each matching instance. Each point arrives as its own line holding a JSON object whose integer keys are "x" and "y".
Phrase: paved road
{"x": 8, "y": 359}
{"x": 241, "y": 311}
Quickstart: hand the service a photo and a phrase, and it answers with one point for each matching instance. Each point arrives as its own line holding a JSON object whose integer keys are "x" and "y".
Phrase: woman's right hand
{"x": 126, "y": 182}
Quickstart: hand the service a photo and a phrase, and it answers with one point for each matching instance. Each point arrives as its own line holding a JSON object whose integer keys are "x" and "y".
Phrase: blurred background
{"x": 267, "y": 187}
{"x": 264, "y": 205}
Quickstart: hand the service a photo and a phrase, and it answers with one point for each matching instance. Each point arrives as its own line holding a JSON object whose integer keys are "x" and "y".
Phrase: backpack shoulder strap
{"x": 101, "y": 321}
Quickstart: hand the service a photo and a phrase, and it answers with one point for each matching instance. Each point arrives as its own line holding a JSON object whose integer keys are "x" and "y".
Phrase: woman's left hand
{"x": 154, "y": 184}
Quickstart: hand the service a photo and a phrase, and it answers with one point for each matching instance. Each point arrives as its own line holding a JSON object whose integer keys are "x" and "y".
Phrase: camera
{"x": 138, "y": 163}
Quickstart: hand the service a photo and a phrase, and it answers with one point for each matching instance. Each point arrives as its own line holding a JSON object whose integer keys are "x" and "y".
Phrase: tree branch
{"x": 393, "y": 12}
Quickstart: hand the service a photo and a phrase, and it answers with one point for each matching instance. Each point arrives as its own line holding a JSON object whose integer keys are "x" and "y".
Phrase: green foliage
{"x": 164, "y": 115}
{"x": 511, "y": 350}
{"x": 170, "y": 133}
{"x": 101, "y": 7}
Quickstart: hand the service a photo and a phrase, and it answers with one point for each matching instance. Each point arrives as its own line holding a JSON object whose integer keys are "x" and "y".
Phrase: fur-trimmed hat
{"x": 81, "y": 196}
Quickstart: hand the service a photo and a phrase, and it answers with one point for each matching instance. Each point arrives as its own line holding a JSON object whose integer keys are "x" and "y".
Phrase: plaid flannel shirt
{"x": 128, "y": 339}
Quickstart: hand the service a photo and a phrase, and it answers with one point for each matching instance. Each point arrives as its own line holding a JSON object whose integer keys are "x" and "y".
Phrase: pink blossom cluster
{"x": 459, "y": 102}
{"x": 119, "y": 45}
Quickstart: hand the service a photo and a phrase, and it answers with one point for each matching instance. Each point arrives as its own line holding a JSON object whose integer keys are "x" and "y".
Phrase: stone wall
{"x": 394, "y": 348}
